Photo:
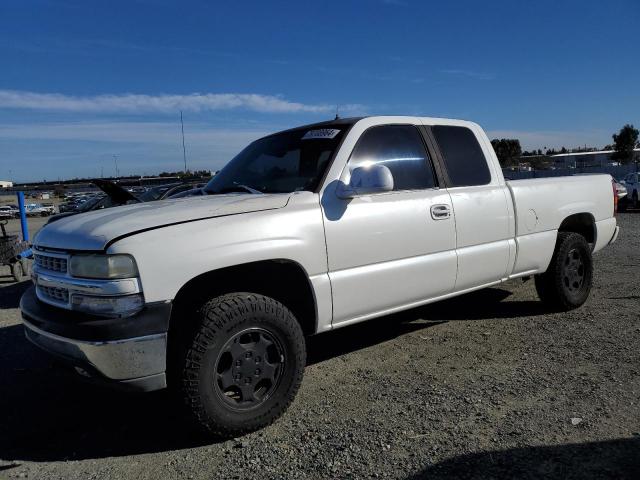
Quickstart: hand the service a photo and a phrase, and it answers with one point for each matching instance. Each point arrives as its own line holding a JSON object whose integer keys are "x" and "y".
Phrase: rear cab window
{"x": 464, "y": 160}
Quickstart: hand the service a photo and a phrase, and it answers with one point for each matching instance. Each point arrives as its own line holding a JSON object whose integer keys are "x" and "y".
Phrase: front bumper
{"x": 129, "y": 352}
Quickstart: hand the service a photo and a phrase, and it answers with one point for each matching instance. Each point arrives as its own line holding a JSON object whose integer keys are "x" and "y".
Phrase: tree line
{"x": 509, "y": 151}
{"x": 187, "y": 174}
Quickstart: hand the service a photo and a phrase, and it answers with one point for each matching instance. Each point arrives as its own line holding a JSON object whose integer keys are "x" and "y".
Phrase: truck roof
{"x": 350, "y": 121}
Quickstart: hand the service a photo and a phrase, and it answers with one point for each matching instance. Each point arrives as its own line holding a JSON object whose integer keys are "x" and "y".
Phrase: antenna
{"x": 337, "y": 108}
{"x": 184, "y": 150}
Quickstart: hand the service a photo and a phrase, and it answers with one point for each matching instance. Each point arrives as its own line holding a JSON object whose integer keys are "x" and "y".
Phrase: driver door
{"x": 391, "y": 250}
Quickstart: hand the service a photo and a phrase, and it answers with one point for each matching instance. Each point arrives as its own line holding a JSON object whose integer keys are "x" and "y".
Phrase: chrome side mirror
{"x": 366, "y": 181}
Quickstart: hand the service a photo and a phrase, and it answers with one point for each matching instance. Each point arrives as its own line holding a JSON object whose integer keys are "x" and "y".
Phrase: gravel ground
{"x": 33, "y": 224}
{"x": 483, "y": 386}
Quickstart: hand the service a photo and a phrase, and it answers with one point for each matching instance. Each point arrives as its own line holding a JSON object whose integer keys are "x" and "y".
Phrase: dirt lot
{"x": 34, "y": 224}
{"x": 484, "y": 386}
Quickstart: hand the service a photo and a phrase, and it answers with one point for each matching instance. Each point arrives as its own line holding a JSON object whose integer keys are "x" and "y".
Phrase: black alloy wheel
{"x": 244, "y": 364}
{"x": 573, "y": 272}
{"x": 567, "y": 282}
{"x": 249, "y": 368}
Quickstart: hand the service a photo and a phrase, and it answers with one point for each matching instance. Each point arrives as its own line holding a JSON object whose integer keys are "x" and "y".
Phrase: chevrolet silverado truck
{"x": 304, "y": 231}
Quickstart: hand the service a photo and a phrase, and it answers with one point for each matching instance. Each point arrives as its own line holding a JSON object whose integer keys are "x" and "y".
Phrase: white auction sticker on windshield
{"x": 322, "y": 133}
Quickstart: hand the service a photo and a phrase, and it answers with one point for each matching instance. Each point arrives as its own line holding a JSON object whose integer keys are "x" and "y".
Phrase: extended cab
{"x": 304, "y": 231}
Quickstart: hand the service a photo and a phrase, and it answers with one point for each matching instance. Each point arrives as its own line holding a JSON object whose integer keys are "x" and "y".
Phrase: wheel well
{"x": 582, "y": 223}
{"x": 283, "y": 280}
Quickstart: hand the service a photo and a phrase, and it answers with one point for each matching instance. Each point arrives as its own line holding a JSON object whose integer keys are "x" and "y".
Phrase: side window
{"x": 399, "y": 148}
{"x": 463, "y": 157}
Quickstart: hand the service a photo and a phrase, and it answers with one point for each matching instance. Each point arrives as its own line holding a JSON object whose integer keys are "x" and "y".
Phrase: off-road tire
{"x": 559, "y": 287}
{"x": 220, "y": 321}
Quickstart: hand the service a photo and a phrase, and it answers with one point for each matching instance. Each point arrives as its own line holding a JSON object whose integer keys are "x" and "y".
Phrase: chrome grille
{"x": 54, "y": 264}
{"x": 54, "y": 293}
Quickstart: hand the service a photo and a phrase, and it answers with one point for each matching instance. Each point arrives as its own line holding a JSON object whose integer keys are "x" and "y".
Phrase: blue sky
{"x": 81, "y": 81}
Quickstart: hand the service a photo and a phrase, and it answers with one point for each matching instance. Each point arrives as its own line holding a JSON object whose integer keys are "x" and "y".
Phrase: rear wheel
{"x": 244, "y": 365}
{"x": 567, "y": 282}
{"x": 634, "y": 199}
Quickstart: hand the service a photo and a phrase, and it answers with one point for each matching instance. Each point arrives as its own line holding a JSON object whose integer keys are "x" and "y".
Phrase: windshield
{"x": 282, "y": 163}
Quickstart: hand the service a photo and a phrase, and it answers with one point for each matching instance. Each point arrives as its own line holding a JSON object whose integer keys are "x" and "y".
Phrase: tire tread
{"x": 216, "y": 314}
{"x": 549, "y": 284}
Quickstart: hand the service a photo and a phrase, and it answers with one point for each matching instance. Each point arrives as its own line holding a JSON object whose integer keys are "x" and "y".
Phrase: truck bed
{"x": 541, "y": 205}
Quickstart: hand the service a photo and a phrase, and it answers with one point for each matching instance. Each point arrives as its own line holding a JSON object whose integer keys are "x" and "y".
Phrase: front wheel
{"x": 567, "y": 282}
{"x": 245, "y": 364}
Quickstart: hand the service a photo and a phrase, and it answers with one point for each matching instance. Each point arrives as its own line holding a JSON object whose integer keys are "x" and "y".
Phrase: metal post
{"x": 23, "y": 217}
{"x": 184, "y": 150}
{"x": 115, "y": 159}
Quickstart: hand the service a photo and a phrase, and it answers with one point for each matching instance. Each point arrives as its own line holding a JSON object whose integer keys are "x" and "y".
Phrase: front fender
{"x": 169, "y": 257}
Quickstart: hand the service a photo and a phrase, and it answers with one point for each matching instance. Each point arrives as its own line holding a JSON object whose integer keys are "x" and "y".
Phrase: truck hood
{"x": 94, "y": 230}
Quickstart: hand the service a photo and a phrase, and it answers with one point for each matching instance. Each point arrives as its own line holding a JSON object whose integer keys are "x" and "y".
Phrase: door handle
{"x": 440, "y": 212}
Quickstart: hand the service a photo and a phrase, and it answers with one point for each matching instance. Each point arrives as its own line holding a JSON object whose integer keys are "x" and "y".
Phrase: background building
{"x": 600, "y": 158}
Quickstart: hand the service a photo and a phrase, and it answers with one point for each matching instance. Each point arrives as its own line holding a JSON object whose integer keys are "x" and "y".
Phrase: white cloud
{"x": 128, "y": 132}
{"x": 164, "y": 103}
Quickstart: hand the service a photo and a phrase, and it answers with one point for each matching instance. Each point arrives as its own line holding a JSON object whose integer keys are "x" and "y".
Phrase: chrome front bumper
{"x": 136, "y": 363}
{"x": 127, "y": 352}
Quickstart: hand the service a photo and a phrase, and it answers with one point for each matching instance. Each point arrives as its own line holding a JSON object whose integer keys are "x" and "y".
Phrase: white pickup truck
{"x": 304, "y": 231}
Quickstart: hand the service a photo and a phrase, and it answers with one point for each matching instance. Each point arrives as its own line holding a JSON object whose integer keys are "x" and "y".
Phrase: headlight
{"x": 118, "y": 306}
{"x": 103, "y": 266}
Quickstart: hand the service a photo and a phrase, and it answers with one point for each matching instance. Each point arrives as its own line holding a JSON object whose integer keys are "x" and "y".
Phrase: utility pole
{"x": 184, "y": 150}
{"x": 115, "y": 160}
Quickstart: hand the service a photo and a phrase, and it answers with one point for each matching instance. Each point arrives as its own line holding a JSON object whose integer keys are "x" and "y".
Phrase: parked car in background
{"x": 111, "y": 195}
{"x": 95, "y": 203}
{"x": 165, "y": 191}
{"x": 49, "y": 208}
{"x": 114, "y": 195}
{"x": 193, "y": 192}
{"x": 39, "y": 210}
{"x": 9, "y": 211}
{"x": 630, "y": 182}
{"x": 620, "y": 188}
{"x": 136, "y": 190}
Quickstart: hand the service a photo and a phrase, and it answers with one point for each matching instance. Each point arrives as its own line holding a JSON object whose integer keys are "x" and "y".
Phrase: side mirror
{"x": 367, "y": 181}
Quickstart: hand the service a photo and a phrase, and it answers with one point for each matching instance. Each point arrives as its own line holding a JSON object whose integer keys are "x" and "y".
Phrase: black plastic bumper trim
{"x": 153, "y": 319}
